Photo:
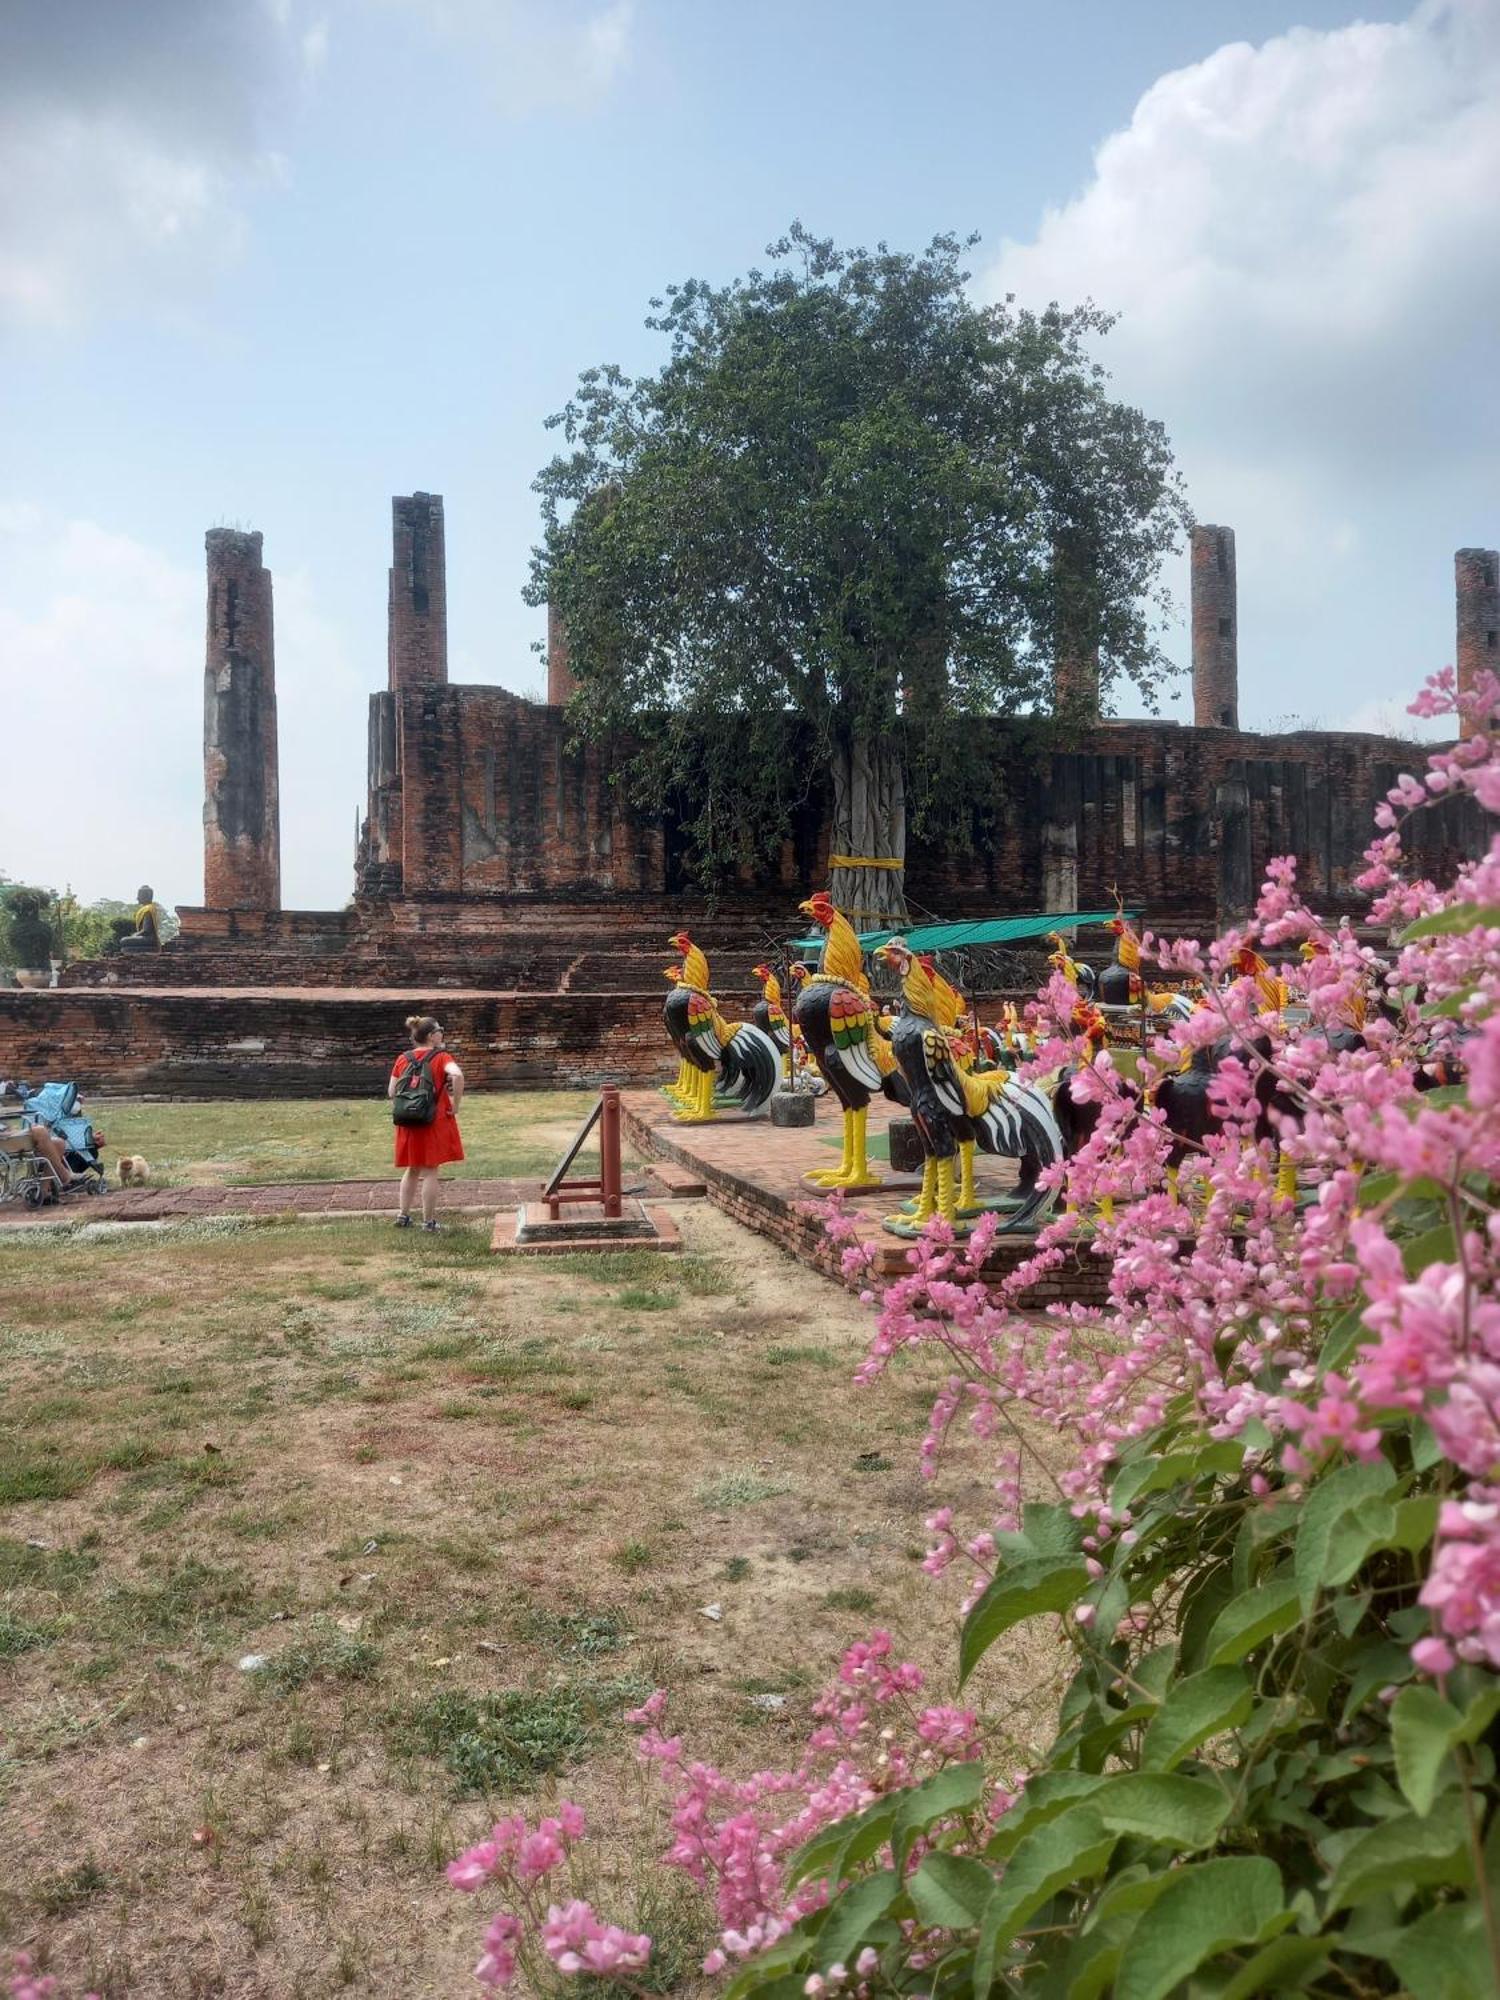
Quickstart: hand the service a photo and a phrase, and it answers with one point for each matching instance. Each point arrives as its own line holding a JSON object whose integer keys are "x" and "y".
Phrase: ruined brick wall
{"x": 494, "y": 802}
{"x": 312, "y": 1044}
{"x": 1216, "y": 698}
{"x": 1181, "y": 819}
{"x": 1184, "y": 820}
{"x": 241, "y": 808}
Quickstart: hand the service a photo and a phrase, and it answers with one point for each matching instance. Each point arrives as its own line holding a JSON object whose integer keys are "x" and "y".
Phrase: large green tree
{"x": 852, "y": 511}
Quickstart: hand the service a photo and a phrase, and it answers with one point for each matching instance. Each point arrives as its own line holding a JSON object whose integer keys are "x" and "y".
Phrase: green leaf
{"x": 1422, "y": 1729}
{"x": 1184, "y": 1813}
{"x": 1248, "y": 1621}
{"x": 1416, "y": 1522}
{"x": 1154, "y": 1472}
{"x": 1433, "y": 1246}
{"x": 1277, "y": 1967}
{"x": 953, "y": 1789}
{"x": 1202, "y": 1706}
{"x": 1045, "y": 1797}
{"x": 1067, "y": 1850}
{"x": 1444, "y": 1955}
{"x": 1378, "y": 1663}
{"x": 1455, "y": 921}
{"x": 862, "y": 1904}
{"x": 1024, "y": 1590}
{"x": 1206, "y": 1908}
{"x": 1347, "y": 1332}
{"x": 950, "y": 1891}
{"x": 1403, "y": 1853}
{"x": 1331, "y": 1497}
{"x": 827, "y": 1853}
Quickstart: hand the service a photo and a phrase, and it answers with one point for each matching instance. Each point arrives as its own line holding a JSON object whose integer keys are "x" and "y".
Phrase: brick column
{"x": 241, "y": 805}
{"x": 418, "y": 605}
{"x": 560, "y": 682}
{"x": 1477, "y": 589}
{"x": 1075, "y": 666}
{"x": 1216, "y": 634}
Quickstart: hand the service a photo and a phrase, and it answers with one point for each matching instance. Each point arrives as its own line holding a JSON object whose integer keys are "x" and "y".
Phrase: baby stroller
{"x": 27, "y": 1174}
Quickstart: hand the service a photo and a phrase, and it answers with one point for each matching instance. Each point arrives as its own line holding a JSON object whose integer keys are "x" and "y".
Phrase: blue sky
{"x": 267, "y": 262}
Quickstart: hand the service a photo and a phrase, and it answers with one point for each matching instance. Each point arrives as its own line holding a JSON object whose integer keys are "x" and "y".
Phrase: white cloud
{"x": 1300, "y": 240}
{"x": 131, "y": 138}
{"x": 101, "y": 645}
{"x": 560, "y": 55}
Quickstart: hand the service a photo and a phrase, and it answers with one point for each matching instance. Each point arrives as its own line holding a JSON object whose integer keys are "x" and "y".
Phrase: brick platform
{"x": 148, "y": 1204}
{"x": 754, "y": 1174}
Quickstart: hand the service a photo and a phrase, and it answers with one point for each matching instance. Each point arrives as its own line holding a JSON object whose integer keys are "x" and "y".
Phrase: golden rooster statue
{"x": 837, "y": 1018}
{"x": 1006, "y": 1116}
{"x": 742, "y": 1057}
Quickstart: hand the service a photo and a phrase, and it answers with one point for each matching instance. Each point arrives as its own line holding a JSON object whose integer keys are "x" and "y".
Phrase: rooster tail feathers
{"x": 749, "y": 1066}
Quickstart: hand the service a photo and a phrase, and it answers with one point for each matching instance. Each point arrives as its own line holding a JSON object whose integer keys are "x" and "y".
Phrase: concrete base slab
{"x": 530, "y": 1231}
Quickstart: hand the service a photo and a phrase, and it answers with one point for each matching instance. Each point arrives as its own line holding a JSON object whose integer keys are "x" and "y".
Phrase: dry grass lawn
{"x": 520, "y": 1132}
{"x": 468, "y": 1512}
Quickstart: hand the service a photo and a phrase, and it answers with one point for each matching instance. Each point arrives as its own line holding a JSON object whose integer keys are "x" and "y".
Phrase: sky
{"x": 265, "y": 263}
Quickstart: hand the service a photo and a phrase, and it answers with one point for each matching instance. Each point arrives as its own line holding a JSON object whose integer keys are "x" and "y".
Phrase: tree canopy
{"x": 851, "y": 511}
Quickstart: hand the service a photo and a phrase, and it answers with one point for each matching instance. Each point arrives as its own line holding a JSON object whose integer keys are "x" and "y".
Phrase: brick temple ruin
{"x": 502, "y": 875}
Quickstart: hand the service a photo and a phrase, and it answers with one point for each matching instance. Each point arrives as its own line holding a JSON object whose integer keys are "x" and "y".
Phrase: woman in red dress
{"x": 422, "y": 1151}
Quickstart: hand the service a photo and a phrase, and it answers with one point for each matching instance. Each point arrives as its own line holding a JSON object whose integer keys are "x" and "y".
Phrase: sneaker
{"x": 403, "y": 1222}
{"x": 432, "y": 1225}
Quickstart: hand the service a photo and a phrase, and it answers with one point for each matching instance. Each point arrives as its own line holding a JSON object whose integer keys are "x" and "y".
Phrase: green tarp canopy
{"x": 961, "y": 937}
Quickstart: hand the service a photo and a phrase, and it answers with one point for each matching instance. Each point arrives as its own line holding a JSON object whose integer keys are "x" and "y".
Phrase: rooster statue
{"x": 1120, "y": 984}
{"x": 1007, "y": 1117}
{"x": 742, "y": 1057}
{"x": 769, "y": 1015}
{"x": 679, "y": 1090}
{"x": 837, "y": 1018}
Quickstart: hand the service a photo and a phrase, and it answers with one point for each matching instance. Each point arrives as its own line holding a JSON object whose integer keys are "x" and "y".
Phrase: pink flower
{"x": 498, "y": 1965}
{"x": 576, "y": 1941}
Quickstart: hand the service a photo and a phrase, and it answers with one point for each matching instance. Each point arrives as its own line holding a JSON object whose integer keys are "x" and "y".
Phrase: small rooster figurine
{"x": 837, "y": 1018}
{"x": 742, "y": 1057}
{"x": 769, "y": 1015}
{"x": 1006, "y": 1116}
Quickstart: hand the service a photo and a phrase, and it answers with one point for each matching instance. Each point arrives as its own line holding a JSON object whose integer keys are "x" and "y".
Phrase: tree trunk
{"x": 869, "y": 824}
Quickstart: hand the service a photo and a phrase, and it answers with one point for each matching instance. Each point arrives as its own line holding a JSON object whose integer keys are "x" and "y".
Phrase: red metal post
{"x": 609, "y": 1148}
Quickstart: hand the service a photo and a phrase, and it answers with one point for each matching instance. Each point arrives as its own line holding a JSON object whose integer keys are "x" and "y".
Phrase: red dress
{"x": 435, "y": 1144}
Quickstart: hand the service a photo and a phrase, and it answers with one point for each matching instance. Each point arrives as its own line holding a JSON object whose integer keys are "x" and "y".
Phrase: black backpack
{"x": 415, "y": 1102}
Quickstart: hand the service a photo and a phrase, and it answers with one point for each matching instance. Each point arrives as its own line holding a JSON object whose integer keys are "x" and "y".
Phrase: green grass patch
{"x": 59, "y": 1570}
{"x": 495, "y": 1742}
{"x": 632, "y": 1557}
{"x": 791, "y": 1357}
{"x": 17, "y": 1637}
{"x": 854, "y": 1598}
{"x": 325, "y": 1655}
{"x": 193, "y": 1600}
{"x": 738, "y": 1489}
{"x": 45, "y": 1475}
{"x": 64, "y": 1894}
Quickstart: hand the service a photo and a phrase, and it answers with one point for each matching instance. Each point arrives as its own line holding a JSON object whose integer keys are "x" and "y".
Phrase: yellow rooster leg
{"x": 859, "y": 1172}
{"x": 1172, "y": 1174}
{"x": 947, "y": 1198}
{"x": 966, "y": 1196}
{"x": 841, "y": 1175}
{"x": 698, "y": 1106}
{"x": 1106, "y": 1208}
{"x": 1286, "y": 1179}
{"x": 926, "y": 1206}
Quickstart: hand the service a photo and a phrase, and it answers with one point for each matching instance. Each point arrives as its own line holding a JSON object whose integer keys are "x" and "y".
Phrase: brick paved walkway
{"x": 170, "y": 1204}
{"x": 754, "y": 1173}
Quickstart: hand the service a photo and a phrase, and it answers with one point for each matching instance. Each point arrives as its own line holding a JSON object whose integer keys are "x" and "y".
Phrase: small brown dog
{"x": 133, "y": 1170}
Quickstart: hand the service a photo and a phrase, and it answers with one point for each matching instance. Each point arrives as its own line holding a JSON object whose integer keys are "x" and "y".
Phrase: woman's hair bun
{"x": 411, "y": 1021}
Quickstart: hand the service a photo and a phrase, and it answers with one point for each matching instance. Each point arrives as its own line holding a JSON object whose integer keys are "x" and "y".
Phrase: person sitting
{"x": 148, "y": 921}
